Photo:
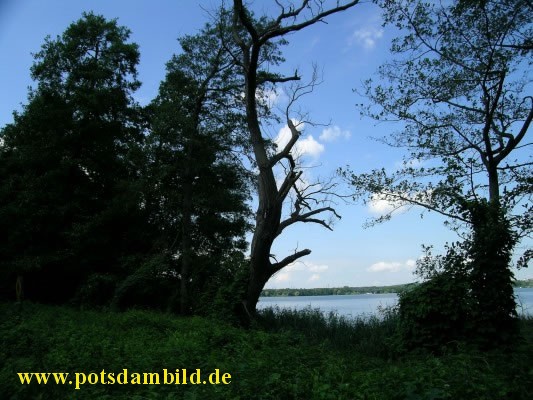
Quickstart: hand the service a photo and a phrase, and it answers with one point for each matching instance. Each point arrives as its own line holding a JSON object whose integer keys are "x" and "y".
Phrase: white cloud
{"x": 304, "y": 146}
{"x": 410, "y": 264}
{"x": 366, "y": 37}
{"x": 333, "y": 133}
{"x": 284, "y": 134}
{"x": 309, "y": 146}
{"x": 295, "y": 266}
{"x": 305, "y": 266}
{"x": 392, "y": 266}
{"x": 379, "y": 204}
{"x": 383, "y": 266}
{"x": 298, "y": 274}
{"x": 282, "y": 277}
{"x": 317, "y": 268}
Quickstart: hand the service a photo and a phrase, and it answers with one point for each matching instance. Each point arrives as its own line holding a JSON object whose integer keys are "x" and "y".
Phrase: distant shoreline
{"x": 347, "y": 290}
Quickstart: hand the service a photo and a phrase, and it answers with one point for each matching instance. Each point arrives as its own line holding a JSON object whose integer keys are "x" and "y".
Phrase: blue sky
{"x": 348, "y": 49}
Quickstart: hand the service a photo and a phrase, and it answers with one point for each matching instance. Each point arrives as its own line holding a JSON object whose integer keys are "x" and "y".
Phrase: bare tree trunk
{"x": 494, "y": 184}
{"x": 256, "y": 283}
{"x": 261, "y": 269}
{"x": 269, "y": 224}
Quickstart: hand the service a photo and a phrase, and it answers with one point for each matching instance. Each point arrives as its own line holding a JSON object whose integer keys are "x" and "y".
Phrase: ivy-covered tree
{"x": 68, "y": 199}
{"x": 460, "y": 86}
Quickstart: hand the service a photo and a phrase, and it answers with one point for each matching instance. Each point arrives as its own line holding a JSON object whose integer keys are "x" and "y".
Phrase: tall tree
{"x": 254, "y": 38}
{"x": 460, "y": 85}
{"x": 68, "y": 160}
{"x": 200, "y": 187}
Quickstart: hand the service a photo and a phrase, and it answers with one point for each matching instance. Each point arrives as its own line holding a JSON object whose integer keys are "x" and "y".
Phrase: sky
{"x": 347, "y": 50}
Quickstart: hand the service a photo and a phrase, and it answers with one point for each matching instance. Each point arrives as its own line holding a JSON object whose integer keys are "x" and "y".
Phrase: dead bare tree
{"x": 254, "y": 37}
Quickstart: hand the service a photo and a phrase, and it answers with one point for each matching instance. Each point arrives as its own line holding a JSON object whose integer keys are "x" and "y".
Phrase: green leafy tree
{"x": 69, "y": 203}
{"x": 460, "y": 86}
{"x": 198, "y": 186}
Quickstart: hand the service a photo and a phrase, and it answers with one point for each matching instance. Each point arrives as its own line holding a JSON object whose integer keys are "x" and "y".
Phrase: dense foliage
{"x": 102, "y": 201}
{"x": 467, "y": 295}
{"x": 196, "y": 188}
{"x": 68, "y": 164}
{"x": 459, "y": 82}
{"x": 336, "y": 359}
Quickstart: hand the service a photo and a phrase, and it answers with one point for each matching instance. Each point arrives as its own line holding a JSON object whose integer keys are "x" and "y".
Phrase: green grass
{"x": 371, "y": 336}
{"x": 286, "y": 356}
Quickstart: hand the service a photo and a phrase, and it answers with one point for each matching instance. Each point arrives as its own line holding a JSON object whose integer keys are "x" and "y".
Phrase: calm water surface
{"x": 361, "y": 305}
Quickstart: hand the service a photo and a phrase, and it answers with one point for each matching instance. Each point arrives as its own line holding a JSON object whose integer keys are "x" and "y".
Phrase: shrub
{"x": 434, "y": 314}
{"x": 151, "y": 285}
{"x": 468, "y": 295}
{"x": 97, "y": 290}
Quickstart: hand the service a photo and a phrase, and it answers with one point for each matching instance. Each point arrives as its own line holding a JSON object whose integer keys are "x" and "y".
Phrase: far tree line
{"x": 338, "y": 291}
{"x": 107, "y": 203}
{"x": 349, "y": 290}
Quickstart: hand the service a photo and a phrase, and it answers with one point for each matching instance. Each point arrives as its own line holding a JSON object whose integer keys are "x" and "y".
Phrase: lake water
{"x": 361, "y": 305}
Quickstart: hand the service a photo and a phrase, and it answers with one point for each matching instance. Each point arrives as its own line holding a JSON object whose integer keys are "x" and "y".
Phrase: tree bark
{"x": 270, "y": 199}
{"x": 494, "y": 184}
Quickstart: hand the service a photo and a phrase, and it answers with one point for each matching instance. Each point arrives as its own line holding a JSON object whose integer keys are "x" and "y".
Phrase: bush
{"x": 222, "y": 288}
{"x": 152, "y": 285}
{"x": 434, "y": 314}
{"x": 97, "y": 291}
{"x": 468, "y": 295}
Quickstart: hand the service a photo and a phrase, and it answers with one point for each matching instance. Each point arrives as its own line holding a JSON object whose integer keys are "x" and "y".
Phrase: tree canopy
{"x": 67, "y": 161}
{"x": 197, "y": 186}
{"x": 459, "y": 84}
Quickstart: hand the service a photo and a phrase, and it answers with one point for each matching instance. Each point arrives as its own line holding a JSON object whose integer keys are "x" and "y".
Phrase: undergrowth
{"x": 301, "y": 355}
{"x": 370, "y": 335}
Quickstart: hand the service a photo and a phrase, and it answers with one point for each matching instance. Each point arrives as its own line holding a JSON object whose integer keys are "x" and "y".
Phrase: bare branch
{"x": 289, "y": 259}
{"x": 307, "y": 218}
{"x": 287, "y": 184}
{"x": 292, "y": 13}
{"x": 272, "y": 78}
{"x": 276, "y": 30}
{"x": 297, "y": 92}
{"x": 427, "y": 206}
{"x": 515, "y": 141}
